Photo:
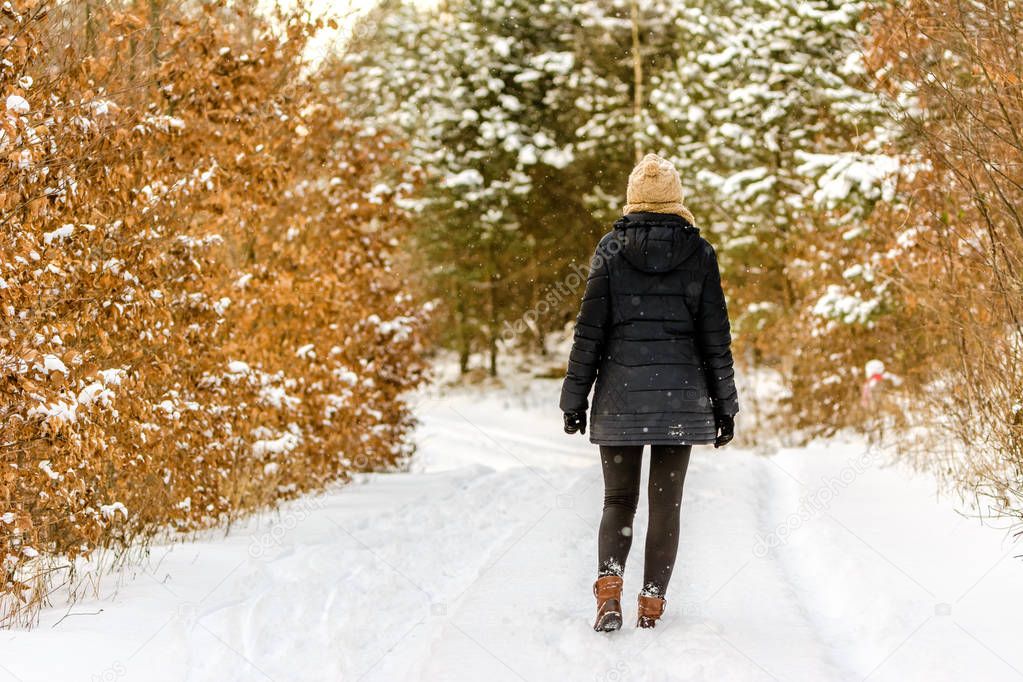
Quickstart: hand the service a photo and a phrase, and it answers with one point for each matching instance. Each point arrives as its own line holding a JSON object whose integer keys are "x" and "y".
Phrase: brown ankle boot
{"x": 650, "y": 609}
{"x": 608, "y": 591}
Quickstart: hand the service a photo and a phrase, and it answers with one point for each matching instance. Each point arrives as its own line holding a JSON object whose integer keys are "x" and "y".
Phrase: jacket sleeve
{"x": 713, "y": 334}
{"x": 588, "y": 342}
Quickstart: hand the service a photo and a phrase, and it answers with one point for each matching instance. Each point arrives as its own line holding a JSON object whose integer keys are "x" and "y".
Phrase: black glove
{"x": 575, "y": 421}
{"x": 726, "y": 429}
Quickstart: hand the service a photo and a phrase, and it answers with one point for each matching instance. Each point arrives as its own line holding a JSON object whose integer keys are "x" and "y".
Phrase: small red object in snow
{"x": 875, "y": 375}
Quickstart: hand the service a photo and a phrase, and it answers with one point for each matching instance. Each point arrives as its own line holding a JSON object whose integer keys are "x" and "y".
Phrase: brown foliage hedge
{"x": 960, "y": 280}
{"x": 200, "y": 316}
{"x": 949, "y": 254}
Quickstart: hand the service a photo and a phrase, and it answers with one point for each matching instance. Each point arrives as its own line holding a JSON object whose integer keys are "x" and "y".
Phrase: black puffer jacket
{"x": 653, "y": 332}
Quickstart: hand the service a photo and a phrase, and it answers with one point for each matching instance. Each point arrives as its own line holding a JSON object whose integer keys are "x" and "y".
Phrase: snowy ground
{"x": 815, "y": 564}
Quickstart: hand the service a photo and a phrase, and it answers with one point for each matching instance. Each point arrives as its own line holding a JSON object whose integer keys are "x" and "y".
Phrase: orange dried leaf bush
{"x": 198, "y": 289}
{"x": 942, "y": 258}
{"x": 959, "y": 234}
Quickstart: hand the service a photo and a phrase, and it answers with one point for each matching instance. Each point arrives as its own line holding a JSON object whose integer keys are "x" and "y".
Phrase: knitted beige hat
{"x": 654, "y": 185}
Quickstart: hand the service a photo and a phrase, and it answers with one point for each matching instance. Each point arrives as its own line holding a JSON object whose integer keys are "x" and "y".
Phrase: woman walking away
{"x": 653, "y": 333}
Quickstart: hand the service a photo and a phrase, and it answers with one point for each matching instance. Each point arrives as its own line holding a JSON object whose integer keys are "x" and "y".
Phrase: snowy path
{"x": 816, "y": 564}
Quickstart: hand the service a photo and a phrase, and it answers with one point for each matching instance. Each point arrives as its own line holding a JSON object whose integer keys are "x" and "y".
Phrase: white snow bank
{"x": 818, "y": 563}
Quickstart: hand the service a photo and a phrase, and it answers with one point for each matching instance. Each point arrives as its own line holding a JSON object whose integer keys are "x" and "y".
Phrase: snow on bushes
{"x": 168, "y": 243}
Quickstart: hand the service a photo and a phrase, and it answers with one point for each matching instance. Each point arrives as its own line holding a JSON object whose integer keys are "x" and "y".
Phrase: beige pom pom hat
{"x": 655, "y": 186}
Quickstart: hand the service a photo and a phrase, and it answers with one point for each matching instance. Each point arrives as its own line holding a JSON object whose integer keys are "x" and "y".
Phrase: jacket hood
{"x": 656, "y": 242}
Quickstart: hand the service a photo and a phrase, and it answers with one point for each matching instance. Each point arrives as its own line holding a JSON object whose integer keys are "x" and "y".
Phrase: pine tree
{"x": 524, "y": 119}
{"x": 769, "y": 114}
{"x": 479, "y": 95}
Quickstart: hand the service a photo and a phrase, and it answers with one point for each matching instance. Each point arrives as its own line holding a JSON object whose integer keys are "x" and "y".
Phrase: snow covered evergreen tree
{"x": 523, "y": 117}
{"x": 526, "y": 119}
{"x": 478, "y": 87}
{"x": 770, "y": 113}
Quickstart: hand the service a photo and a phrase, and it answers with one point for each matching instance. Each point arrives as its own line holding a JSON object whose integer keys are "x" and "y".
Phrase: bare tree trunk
{"x": 492, "y": 285}
{"x": 462, "y": 338}
{"x": 90, "y": 31}
{"x": 637, "y": 75}
{"x": 154, "y": 19}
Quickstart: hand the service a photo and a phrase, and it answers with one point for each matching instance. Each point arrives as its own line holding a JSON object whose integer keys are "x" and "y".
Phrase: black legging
{"x": 622, "y": 465}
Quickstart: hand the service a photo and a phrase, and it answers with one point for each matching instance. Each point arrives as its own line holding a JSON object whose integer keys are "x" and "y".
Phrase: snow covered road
{"x": 814, "y": 564}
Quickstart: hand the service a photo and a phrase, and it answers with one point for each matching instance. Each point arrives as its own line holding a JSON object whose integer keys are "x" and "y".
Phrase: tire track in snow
{"x": 778, "y": 496}
{"x": 530, "y": 608}
{"x": 477, "y": 564}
